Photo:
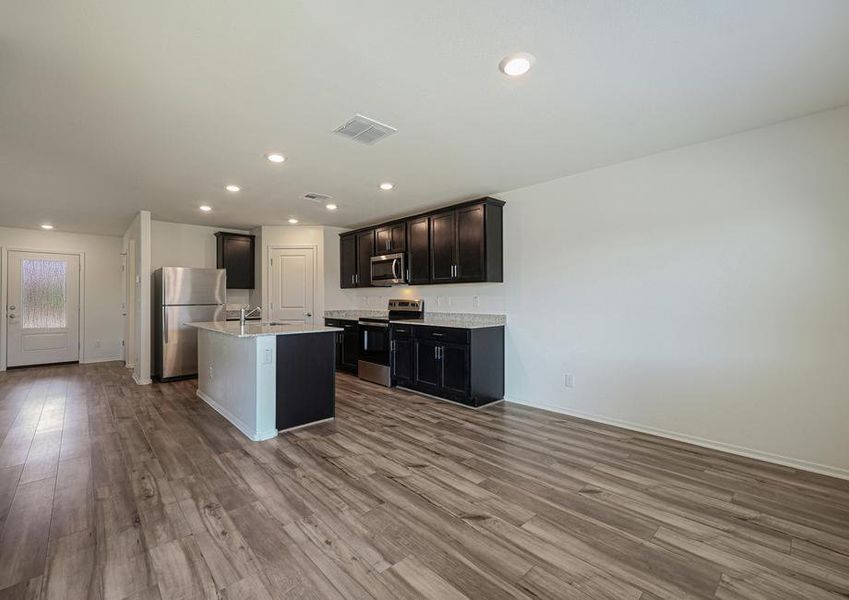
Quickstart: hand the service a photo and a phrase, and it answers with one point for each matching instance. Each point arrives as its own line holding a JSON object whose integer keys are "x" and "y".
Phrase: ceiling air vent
{"x": 317, "y": 198}
{"x": 364, "y": 130}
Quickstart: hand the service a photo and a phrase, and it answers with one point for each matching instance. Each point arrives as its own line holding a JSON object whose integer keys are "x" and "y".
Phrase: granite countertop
{"x": 454, "y": 320}
{"x": 256, "y": 329}
{"x": 353, "y": 314}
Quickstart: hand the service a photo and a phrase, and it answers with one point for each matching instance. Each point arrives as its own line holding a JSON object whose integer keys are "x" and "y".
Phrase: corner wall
{"x": 137, "y": 237}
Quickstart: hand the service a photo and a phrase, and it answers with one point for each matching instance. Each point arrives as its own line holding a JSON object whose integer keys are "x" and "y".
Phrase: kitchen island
{"x": 267, "y": 377}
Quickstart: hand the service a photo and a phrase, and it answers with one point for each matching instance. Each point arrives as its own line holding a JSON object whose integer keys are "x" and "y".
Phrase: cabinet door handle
{"x": 436, "y": 352}
{"x": 438, "y": 334}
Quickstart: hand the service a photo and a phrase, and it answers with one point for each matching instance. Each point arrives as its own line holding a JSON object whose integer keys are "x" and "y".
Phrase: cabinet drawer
{"x": 402, "y": 332}
{"x": 442, "y": 334}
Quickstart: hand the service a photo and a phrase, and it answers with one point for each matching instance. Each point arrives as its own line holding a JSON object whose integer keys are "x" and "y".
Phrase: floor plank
{"x": 112, "y": 490}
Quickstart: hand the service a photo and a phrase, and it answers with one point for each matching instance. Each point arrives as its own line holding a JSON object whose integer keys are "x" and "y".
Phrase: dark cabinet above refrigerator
{"x": 235, "y": 252}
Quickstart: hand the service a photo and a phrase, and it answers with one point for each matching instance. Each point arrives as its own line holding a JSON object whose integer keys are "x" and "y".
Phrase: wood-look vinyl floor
{"x": 112, "y": 490}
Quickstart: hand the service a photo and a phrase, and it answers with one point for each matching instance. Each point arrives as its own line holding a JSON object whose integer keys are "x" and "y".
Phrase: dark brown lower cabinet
{"x": 401, "y": 358}
{"x": 455, "y": 370}
{"x": 462, "y": 365}
{"x": 347, "y": 344}
{"x": 426, "y": 367}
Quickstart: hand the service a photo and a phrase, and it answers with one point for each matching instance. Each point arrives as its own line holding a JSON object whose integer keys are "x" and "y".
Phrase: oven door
{"x": 374, "y": 342}
{"x": 387, "y": 269}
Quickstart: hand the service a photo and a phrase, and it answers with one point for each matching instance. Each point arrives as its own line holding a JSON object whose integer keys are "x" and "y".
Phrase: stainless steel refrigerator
{"x": 182, "y": 295}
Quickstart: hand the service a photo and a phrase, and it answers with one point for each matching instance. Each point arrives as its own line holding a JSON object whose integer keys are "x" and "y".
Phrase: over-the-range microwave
{"x": 388, "y": 269}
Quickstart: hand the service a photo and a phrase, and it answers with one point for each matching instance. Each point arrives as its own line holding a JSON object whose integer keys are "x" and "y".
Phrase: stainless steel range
{"x": 374, "y": 362}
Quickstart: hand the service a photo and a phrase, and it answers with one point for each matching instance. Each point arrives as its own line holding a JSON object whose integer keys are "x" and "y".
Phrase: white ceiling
{"x": 111, "y": 107}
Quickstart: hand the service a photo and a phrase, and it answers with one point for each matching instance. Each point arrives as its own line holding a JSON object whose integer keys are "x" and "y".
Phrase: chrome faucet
{"x": 244, "y": 313}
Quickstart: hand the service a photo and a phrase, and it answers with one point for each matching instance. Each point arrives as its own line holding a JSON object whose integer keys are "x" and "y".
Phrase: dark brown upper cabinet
{"x": 235, "y": 252}
{"x": 418, "y": 251}
{"x": 365, "y": 250}
{"x": 355, "y": 252}
{"x": 348, "y": 261}
{"x": 466, "y": 244}
{"x": 458, "y": 244}
{"x": 390, "y": 239}
{"x": 443, "y": 246}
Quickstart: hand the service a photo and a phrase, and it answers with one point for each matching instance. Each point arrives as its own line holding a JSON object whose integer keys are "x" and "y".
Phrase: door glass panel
{"x": 43, "y": 293}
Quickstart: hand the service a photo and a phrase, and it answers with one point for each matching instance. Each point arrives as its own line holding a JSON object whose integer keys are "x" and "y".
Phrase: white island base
{"x": 238, "y": 374}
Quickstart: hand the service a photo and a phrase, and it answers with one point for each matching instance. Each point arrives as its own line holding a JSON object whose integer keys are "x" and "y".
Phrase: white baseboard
{"x": 256, "y": 436}
{"x": 91, "y": 361}
{"x": 769, "y": 457}
{"x": 140, "y": 381}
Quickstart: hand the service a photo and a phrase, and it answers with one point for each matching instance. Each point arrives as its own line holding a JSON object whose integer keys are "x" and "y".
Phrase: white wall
{"x": 102, "y": 328}
{"x": 700, "y": 292}
{"x": 138, "y": 236}
{"x": 180, "y": 245}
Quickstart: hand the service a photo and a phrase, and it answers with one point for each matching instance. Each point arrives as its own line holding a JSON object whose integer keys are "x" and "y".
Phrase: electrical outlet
{"x": 97, "y": 343}
{"x": 476, "y": 301}
{"x": 267, "y": 358}
{"x": 570, "y": 380}
{"x": 210, "y": 371}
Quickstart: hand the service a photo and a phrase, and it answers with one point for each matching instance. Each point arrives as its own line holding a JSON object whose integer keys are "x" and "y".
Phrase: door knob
{"x": 13, "y": 307}
{"x": 12, "y": 316}
{"x": 308, "y": 315}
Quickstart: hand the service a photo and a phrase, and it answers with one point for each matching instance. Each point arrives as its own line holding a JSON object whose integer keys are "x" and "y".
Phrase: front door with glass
{"x": 43, "y": 308}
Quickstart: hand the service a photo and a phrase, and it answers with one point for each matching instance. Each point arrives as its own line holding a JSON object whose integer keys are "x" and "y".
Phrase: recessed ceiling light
{"x": 516, "y": 65}
{"x": 205, "y": 208}
{"x": 276, "y": 158}
{"x": 330, "y": 206}
{"x": 233, "y": 188}
{"x": 386, "y": 186}
{"x": 293, "y": 221}
{"x": 46, "y": 226}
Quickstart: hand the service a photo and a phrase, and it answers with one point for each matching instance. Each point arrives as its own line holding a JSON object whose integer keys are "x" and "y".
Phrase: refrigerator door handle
{"x": 165, "y": 326}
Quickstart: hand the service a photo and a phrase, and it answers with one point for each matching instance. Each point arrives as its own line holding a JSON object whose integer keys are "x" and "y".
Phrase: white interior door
{"x": 43, "y": 311}
{"x": 292, "y": 294}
